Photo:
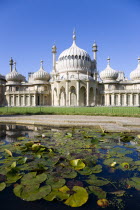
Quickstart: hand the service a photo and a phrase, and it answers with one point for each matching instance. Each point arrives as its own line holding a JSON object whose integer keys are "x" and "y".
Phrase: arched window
{"x": 79, "y": 56}
{"x": 72, "y": 56}
{"x": 76, "y": 56}
{"x": 83, "y": 57}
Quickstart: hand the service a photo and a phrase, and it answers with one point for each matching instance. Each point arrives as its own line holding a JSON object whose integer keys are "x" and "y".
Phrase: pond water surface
{"x": 43, "y": 168}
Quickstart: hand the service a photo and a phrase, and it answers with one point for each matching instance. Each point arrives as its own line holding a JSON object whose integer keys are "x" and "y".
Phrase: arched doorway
{"x": 62, "y": 97}
{"x": 82, "y": 96}
{"x": 73, "y": 101}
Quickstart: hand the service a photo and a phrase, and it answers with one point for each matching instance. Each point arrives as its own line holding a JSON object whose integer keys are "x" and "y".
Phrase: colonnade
{"x": 123, "y": 99}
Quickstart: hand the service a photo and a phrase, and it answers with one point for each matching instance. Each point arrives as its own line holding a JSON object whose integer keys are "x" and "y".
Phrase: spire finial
{"x": 74, "y": 35}
{"x": 139, "y": 59}
{"x": 41, "y": 64}
{"x": 108, "y": 61}
{"x": 11, "y": 64}
{"x": 15, "y": 66}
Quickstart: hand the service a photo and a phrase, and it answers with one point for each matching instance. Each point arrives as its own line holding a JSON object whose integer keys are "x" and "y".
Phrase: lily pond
{"x": 43, "y": 168}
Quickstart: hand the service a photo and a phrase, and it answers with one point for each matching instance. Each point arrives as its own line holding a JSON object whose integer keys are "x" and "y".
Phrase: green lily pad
{"x": 93, "y": 180}
{"x": 32, "y": 178}
{"x": 60, "y": 194}
{"x": 2, "y": 186}
{"x": 79, "y": 197}
{"x": 77, "y": 164}
{"x": 55, "y": 182}
{"x": 31, "y": 192}
{"x": 97, "y": 191}
{"x": 97, "y": 169}
{"x": 8, "y": 152}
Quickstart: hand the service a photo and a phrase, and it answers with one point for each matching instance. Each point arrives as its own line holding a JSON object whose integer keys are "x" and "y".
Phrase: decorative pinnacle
{"x": 94, "y": 47}
{"x": 54, "y": 48}
{"x": 41, "y": 62}
{"x": 139, "y": 59}
{"x": 11, "y": 61}
{"x": 108, "y": 61}
{"x": 74, "y": 35}
{"x": 15, "y": 66}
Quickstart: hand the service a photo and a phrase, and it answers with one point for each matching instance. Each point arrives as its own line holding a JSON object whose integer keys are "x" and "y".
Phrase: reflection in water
{"x": 10, "y": 132}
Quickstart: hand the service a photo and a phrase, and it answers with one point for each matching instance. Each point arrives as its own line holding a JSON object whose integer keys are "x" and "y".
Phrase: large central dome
{"x": 74, "y": 59}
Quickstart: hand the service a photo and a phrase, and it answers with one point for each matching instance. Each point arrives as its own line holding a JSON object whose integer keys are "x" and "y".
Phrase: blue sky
{"x": 29, "y": 28}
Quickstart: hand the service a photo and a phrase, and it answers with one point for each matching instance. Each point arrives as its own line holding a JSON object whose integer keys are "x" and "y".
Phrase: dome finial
{"x": 74, "y": 35}
{"x": 108, "y": 61}
{"x": 41, "y": 62}
{"x": 15, "y": 66}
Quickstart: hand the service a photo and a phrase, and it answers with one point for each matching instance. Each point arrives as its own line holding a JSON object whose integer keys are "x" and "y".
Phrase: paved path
{"x": 105, "y": 123}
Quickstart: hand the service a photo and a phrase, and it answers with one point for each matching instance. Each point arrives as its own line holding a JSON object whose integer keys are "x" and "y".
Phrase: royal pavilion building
{"x": 73, "y": 81}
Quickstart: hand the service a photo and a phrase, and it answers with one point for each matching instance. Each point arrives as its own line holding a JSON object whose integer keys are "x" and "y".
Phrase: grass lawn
{"x": 107, "y": 111}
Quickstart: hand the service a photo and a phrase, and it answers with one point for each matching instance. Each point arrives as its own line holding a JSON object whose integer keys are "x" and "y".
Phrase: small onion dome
{"x": 54, "y": 49}
{"x": 14, "y": 76}
{"x": 94, "y": 47}
{"x": 41, "y": 74}
{"x": 135, "y": 75}
{"x": 109, "y": 74}
{"x": 74, "y": 59}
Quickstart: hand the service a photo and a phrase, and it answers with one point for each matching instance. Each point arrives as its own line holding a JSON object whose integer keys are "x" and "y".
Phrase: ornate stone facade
{"x": 73, "y": 81}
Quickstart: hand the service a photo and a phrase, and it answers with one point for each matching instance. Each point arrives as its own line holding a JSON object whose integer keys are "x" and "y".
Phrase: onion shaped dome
{"x": 109, "y": 74}
{"x": 41, "y": 75}
{"x": 14, "y": 76}
{"x": 135, "y": 75}
{"x": 74, "y": 59}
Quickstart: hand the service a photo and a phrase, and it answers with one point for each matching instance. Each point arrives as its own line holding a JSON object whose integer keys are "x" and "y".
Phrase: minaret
{"x": 15, "y": 66}
{"x": 54, "y": 57}
{"x": 11, "y": 64}
{"x": 94, "y": 50}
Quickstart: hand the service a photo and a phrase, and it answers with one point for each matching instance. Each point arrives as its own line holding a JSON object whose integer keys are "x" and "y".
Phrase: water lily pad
{"x": 79, "y": 197}
{"x": 97, "y": 191}
{"x": 97, "y": 169}
{"x": 93, "y": 180}
{"x": 32, "y": 178}
{"x": 8, "y": 152}
{"x": 31, "y": 192}
{"x": 57, "y": 194}
{"x": 55, "y": 182}
{"x": 77, "y": 164}
{"x": 2, "y": 186}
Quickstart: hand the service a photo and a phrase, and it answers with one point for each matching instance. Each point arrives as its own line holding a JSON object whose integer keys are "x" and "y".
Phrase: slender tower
{"x": 94, "y": 50}
{"x": 11, "y": 62}
{"x": 54, "y": 57}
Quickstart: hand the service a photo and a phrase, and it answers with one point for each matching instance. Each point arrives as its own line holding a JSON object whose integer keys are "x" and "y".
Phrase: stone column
{"x": 137, "y": 101}
{"x": 131, "y": 99}
{"x": 119, "y": 99}
{"x": 87, "y": 92}
{"x": 107, "y": 99}
{"x": 24, "y": 98}
{"x": 35, "y": 99}
{"x": 94, "y": 96}
{"x": 29, "y": 99}
{"x": 113, "y": 99}
{"x": 19, "y": 99}
{"x": 67, "y": 93}
{"x": 58, "y": 93}
{"x": 78, "y": 92}
{"x": 14, "y": 98}
{"x": 125, "y": 99}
